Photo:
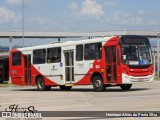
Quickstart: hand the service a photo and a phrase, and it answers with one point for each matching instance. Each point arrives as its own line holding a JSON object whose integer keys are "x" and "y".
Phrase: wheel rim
{"x": 41, "y": 84}
{"x": 98, "y": 83}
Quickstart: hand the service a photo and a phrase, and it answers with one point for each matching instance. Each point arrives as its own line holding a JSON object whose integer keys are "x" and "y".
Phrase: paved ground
{"x": 142, "y": 97}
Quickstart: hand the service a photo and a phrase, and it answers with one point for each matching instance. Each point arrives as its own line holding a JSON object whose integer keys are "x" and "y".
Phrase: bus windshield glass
{"x": 136, "y": 55}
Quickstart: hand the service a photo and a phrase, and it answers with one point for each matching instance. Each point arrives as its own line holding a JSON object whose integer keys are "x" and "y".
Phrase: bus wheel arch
{"x": 93, "y": 75}
{"x": 97, "y": 82}
{"x": 41, "y": 84}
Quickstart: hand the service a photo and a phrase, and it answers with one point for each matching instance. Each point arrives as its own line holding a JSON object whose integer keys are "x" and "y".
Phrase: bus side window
{"x": 16, "y": 59}
{"x": 54, "y": 55}
{"x": 93, "y": 51}
{"x": 79, "y": 52}
{"x": 39, "y": 56}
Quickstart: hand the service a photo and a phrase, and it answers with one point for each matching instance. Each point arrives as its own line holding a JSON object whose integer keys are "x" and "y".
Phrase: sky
{"x": 77, "y": 16}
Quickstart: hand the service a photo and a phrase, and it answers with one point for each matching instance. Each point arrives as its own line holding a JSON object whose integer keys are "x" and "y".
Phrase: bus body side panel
{"x": 53, "y": 72}
{"x": 82, "y": 72}
{"x": 92, "y": 67}
{"x": 38, "y": 70}
{"x": 17, "y": 75}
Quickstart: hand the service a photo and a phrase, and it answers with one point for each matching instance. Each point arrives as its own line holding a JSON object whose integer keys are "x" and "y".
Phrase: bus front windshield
{"x": 136, "y": 55}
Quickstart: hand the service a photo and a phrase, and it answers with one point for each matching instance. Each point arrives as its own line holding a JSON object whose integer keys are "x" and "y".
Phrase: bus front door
{"x": 111, "y": 66}
{"x": 69, "y": 66}
{"x": 27, "y": 69}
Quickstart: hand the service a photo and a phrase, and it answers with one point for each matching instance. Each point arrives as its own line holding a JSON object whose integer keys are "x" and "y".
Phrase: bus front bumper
{"x": 126, "y": 79}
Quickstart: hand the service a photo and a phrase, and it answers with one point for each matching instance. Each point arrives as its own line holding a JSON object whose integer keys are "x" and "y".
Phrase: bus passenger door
{"x": 27, "y": 69}
{"x": 69, "y": 66}
{"x": 111, "y": 66}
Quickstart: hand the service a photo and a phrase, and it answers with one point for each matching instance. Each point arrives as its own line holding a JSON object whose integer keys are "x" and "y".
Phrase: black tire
{"x": 98, "y": 84}
{"x": 41, "y": 85}
{"x": 63, "y": 87}
{"x": 47, "y": 88}
{"x": 1, "y": 81}
{"x": 126, "y": 86}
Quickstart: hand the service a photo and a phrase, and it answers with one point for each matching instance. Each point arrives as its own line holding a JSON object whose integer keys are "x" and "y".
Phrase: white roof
{"x": 67, "y": 43}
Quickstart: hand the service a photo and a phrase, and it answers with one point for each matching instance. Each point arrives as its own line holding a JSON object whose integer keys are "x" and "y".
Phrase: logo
{"x": 14, "y": 111}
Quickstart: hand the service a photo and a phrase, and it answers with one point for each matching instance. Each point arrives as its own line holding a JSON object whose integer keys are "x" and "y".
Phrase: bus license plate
{"x": 140, "y": 79}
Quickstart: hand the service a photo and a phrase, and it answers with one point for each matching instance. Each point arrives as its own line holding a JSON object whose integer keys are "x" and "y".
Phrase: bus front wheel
{"x": 41, "y": 85}
{"x": 126, "y": 86}
{"x": 98, "y": 84}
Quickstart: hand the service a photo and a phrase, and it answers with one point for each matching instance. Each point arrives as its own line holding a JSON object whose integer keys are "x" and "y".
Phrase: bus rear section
{"x": 31, "y": 67}
{"x": 20, "y": 68}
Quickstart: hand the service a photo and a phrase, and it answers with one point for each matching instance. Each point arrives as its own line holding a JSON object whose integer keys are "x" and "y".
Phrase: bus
{"x": 4, "y": 70}
{"x": 101, "y": 62}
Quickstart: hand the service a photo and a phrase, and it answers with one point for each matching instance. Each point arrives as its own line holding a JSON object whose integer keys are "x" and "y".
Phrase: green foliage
{"x": 7, "y": 85}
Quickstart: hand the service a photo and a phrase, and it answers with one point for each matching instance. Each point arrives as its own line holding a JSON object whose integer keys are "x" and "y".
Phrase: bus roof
{"x": 67, "y": 43}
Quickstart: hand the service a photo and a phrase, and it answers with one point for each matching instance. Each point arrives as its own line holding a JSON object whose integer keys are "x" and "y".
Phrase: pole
{"x": 158, "y": 55}
{"x": 23, "y": 20}
{"x": 154, "y": 61}
{"x": 10, "y": 48}
{"x": 59, "y": 39}
{"x": 10, "y": 43}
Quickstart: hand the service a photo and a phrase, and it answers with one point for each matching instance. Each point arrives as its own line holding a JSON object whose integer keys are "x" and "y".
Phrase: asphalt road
{"x": 141, "y": 97}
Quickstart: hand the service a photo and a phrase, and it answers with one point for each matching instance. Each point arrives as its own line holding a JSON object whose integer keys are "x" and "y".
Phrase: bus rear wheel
{"x": 63, "y": 87}
{"x": 126, "y": 86}
{"x": 98, "y": 84}
{"x": 41, "y": 85}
